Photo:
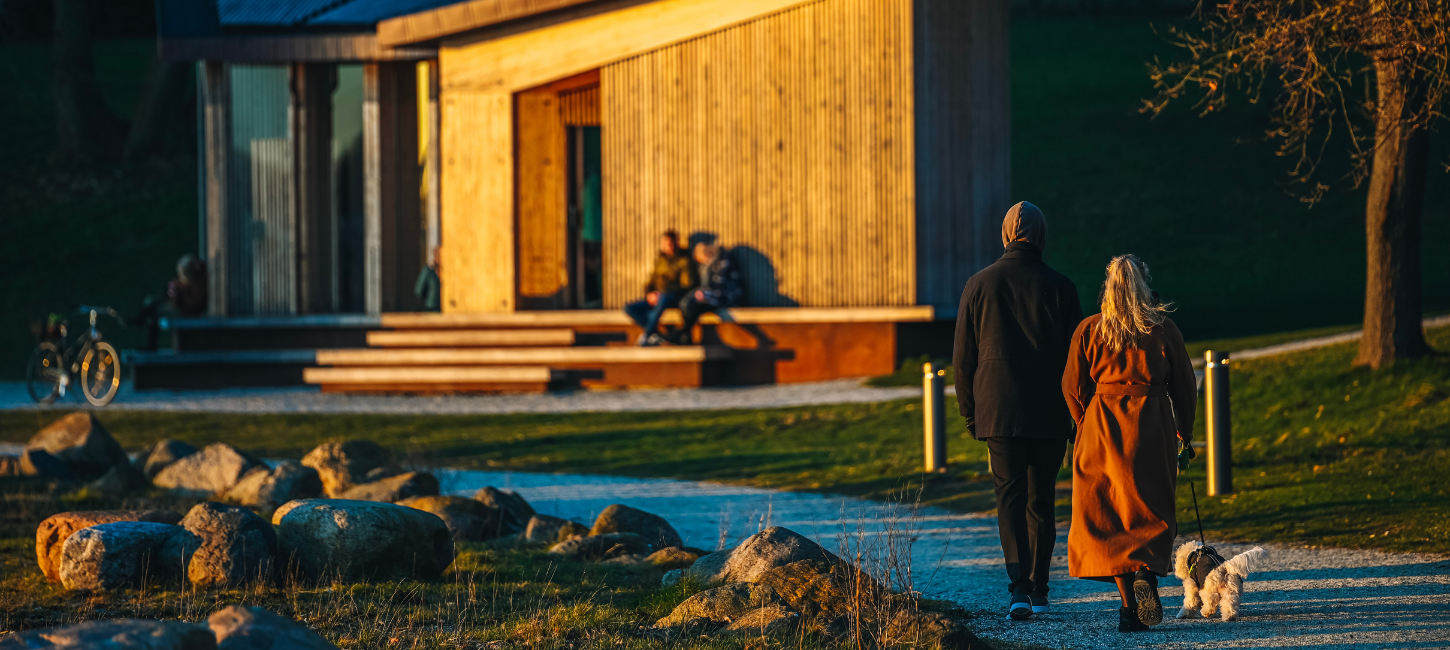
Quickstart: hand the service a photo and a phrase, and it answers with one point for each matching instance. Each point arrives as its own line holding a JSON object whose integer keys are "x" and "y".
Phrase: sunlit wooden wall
{"x": 789, "y": 138}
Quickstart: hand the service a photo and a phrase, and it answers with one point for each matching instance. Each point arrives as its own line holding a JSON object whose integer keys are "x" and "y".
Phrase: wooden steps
{"x": 598, "y": 366}
{"x": 432, "y": 378}
{"x": 470, "y": 338}
{"x": 552, "y": 356}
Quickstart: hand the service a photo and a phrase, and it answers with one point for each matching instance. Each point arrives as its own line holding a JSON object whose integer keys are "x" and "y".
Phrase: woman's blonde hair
{"x": 1129, "y": 307}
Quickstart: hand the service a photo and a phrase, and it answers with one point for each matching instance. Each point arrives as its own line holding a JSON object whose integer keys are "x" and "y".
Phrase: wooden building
{"x": 851, "y": 154}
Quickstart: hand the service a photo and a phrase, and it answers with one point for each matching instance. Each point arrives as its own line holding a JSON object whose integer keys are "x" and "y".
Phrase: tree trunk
{"x": 1392, "y": 308}
{"x": 86, "y": 129}
{"x": 156, "y": 109}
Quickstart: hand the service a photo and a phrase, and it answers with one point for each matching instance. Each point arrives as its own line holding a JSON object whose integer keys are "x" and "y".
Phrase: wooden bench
{"x": 594, "y": 318}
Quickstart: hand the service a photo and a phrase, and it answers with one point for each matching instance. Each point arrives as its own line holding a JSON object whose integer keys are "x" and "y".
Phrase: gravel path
{"x": 1323, "y": 598}
{"x": 312, "y": 400}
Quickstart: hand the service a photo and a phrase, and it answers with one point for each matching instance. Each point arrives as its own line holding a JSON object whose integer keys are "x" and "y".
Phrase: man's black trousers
{"x": 1025, "y": 470}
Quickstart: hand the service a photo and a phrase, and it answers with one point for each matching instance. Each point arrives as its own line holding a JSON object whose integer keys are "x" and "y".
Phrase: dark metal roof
{"x": 296, "y": 13}
{"x": 370, "y": 12}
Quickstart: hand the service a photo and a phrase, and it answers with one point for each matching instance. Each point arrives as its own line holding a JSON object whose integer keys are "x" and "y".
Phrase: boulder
{"x": 619, "y": 518}
{"x": 344, "y": 464}
{"x": 761, "y": 552}
{"x": 52, "y": 533}
{"x": 9, "y": 465}
{"x": 602, "y": 547}
{"x": 236, "y": 545}
{"x": 771, "y": 620}
{"x": 911, "y": 627}
{"x": 394, "y": 488}
{"x": 155, "y": 458}
{"x": 357, "y": 540}
{"x": 544, "y": 529}
{"x": 721, "y": 604}
{"x": 116, "y": 635}
{"x": 43, "y": 464}
{"x": 254, "y": 628}
{"x": 672, "y": 558}
{"x": 468, "y": 520}
{"x": 80, "y": 441}
{"x": 516, "y": 511}
{"x": 672, "y": 578}
{"x": 382, "y": 473}
{"x": 213, "y": 470}
{"x": 266, "y": 489}
{"x": 116, "y": 555}
{"x": 121, "y": 479}
{"x": 823, "y": 591}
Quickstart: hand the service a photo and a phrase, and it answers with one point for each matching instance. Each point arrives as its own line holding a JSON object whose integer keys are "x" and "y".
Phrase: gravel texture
{"x": 312, "y": 400}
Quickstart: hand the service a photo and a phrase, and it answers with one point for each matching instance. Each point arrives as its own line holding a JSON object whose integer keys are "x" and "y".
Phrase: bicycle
{"x": 53, "y": 365}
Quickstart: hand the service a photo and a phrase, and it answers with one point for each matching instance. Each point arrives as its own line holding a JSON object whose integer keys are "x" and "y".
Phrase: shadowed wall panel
{"x": 963, "y": 155}
{"x": 788, "y": 137}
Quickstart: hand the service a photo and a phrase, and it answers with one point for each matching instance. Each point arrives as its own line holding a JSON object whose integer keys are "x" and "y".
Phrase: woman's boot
{"x": 1128, "y": 620}
{"x": 1145, "y": 590}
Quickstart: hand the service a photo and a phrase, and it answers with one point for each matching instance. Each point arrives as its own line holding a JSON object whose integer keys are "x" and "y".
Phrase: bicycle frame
{"x": 72, "y": 354}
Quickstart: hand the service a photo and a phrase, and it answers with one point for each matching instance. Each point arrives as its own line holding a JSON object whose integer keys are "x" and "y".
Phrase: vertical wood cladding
{"x": 580, "y": 107}
{"x": 790, "y": 138}
{"x": 963, "y": 154}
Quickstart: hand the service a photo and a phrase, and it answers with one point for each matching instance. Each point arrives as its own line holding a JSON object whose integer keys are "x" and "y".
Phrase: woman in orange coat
{"x": 1130, "y": 387}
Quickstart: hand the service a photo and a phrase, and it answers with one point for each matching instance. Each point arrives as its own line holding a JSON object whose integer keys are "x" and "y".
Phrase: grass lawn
{"x": 1324, "y": 454}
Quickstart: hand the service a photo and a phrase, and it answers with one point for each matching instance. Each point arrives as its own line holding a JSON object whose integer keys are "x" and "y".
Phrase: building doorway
{"x": 559, "y": 208}
{"x": 586, "y": 218}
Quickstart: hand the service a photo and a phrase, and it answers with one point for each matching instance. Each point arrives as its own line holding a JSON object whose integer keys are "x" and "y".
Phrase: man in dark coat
{"x": 1014, "y": 326}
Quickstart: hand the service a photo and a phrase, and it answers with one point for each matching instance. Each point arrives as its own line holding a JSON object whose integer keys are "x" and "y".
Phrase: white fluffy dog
{"x": 1210, "y": 583}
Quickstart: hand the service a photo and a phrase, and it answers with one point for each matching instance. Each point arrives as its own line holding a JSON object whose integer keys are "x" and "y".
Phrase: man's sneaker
{"x": 654, "y": 340}
{"x": 1128, "y": 621}
{"x": 1039, "y": 605}
{"x": 642, "y": 341}
{"x": 1145, "y": 589}
{"x": 1021, "y": 607}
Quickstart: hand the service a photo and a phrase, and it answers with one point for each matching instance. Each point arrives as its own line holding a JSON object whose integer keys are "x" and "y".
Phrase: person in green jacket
{"x": 672, "y": 276}
{"x": 428, "y": 287}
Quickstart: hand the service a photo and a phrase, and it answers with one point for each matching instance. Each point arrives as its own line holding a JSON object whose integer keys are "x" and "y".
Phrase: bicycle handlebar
{"x": 87, "y": 309}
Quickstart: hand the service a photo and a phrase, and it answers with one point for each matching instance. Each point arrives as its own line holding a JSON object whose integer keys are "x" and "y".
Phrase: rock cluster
{"x": 232, "y": 628}
{"x": 779, "y": 582}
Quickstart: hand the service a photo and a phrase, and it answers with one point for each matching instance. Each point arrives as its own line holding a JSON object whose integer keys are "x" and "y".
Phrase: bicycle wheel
{"x": 101, "y": 374}
{"x": 44, "y": 373}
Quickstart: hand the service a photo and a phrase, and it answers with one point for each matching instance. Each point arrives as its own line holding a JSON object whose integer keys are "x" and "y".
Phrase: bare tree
{"x": 1376, "y": 69}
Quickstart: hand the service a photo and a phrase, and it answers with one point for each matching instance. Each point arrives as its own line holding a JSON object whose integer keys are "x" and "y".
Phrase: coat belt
{"x": 1133, "y": 390}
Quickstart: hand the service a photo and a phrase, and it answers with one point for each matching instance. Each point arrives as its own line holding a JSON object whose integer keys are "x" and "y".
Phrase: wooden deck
{"x": 533, "y": 351}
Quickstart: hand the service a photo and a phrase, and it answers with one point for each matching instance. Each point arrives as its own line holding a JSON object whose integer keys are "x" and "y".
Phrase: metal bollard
{"x": 1220, "y": 439}
{"x": 933, "y": 412}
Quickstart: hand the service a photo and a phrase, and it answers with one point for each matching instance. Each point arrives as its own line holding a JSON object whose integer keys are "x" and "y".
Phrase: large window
{"x": 347, "y": 189}
{"x": 260, "y": 220}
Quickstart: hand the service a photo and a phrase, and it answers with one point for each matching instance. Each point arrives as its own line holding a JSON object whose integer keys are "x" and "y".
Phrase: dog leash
{"x": 1194, "y": 491}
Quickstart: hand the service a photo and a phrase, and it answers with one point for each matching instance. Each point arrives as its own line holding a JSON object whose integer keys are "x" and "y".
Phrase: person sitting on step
{"x": 719, "y": 288}
{"x": 673, "y": 275}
